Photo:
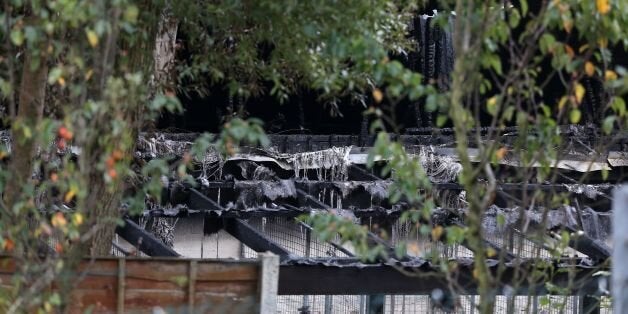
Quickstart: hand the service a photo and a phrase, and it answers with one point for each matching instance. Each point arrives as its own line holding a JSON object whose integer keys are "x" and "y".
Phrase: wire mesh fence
{"x": 293, "y": 236}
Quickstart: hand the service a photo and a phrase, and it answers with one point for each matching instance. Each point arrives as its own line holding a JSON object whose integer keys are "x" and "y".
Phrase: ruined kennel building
{"x": 248, "y": 203}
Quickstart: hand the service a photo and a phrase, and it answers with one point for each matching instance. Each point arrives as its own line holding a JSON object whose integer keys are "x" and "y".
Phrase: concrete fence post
{"x": 620, "y": 250}
{"x": 269, "y": 282}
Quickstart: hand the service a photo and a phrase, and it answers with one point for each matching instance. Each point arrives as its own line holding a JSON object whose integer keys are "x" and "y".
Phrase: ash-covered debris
{"x": 159, "y": 146}
{"x": 161, "y": 227}
{"x": 330, "y": 164}
{"x": 594, "y": 224}
{"x": 5, "y": 139}
{"x": 452, "y": 199}
{"x": 377, "y": 189}
{"x": 258, "y": 193}
{"x": 439, "y": 168}
{"x": 591, "y": 191}
{"x": 253, "y": 171}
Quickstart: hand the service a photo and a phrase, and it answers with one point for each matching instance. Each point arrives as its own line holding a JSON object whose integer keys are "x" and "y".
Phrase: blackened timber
{"x": 603, "y": 190}
{"x": 332, "y": 243}
{"x": 594, "y": 249}
{"x": 143, "y": 240}
{"x": 307, "y": 200}
{"x": 326, "y": 276}
{"x": 198, "y": 200}
{"x": 499, "y": 252}
{"x": 359, "y": 173}
{"x": 238, "y": 228}
{"x": 266, "y": 212}
{"x": 253, "y": 238}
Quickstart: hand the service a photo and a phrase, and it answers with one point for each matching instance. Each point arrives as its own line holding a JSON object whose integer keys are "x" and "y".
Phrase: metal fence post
{"x": 620, "y": 250}
{"x": 376, "y": 303}
{"x": 328, "y": 304}
{"x": 269, "y": 283}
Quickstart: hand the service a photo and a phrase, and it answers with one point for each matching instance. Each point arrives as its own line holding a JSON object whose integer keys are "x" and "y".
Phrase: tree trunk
{"x": 23, "y": 128}
{"x": 163, "y": 80}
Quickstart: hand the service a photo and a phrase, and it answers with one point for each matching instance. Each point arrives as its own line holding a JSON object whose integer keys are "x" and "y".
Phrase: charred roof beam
{"x": 144, "y": 240}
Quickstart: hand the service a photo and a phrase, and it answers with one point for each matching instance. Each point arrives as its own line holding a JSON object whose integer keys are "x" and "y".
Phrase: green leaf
{"x": 17, "y": 37}
{"x": 54, "y": 75}
{"x": 441, "y": 120}
{"x": 491, "y": 106}
{"x": 575, "y": 115}
{"x": 501, "y": 220}
{"x": 607, "y": 125}
{"x": 430, "y": 103}
{"x": 604, "y": 174}
{"x": 131, "y": 13}
{"x": 619, "y": 106}
{"x": 547, "y": 43}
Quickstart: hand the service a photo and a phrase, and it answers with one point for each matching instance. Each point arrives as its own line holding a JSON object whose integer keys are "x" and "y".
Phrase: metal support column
{"x": 376, "y": 303}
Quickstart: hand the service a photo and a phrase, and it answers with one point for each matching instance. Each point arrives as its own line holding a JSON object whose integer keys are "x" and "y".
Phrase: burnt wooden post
{"x": 590, "y": 305}
{"x": 620, "y": 250}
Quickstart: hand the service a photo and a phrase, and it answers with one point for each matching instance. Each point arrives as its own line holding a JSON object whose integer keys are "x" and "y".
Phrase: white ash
{"x": 257, "y": 193}
{"x": 5, "y": 139}
{"x": 594, "y": 224}
{"x": 589, "y": 190}
{"x": 439, "y": 168}
{"x": 330, "y": 164}
{"x": 450, "y": 199}
{"x": 377, "y": 189}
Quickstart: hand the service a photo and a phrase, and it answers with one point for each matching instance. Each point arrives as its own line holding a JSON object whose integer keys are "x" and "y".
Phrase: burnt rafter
{"x": 308, "y": 200}
{"x": 144, "y": 240}
{"x": 246, "y": 233}
{"x": 200, "y": 204}
{"x": 373, "y": 194}
{"x": 254, "y": 238}
{"x": 237, "y": 227}
{"x": 310, "y": 229}
{"x": 595, "y": 249}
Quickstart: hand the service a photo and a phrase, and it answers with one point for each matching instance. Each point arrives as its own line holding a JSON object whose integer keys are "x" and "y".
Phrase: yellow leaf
{"x": 583, "y": 48}
{"x": 491, "y": 105}
{"x": 58, "y": 220}
{"x": 77, "y": 219}
{"x": 568, "y": 25}
{"x": 476, "y": 273}
{"x": 61, "y": 81}
{"x": 610, "y": 75}
{"x": 589, "y": 68}
{"x": 603, "y": 6}
{"x": 69, "y": 195}
{"x": 490, "y": 252}
{"x": 414, "y": 248}
{"x": 603, "y": 42}
{"x": 88, "y": 74}
{"x": 569, "y": 51}
{"x": 562, "y": 102}
{"x": 92, "y": 38}
{"x": 501, "y": 153}
{"x": 579, "y": 91}
{"x": 378, "y": 96}
{"x": 437, "y": 232}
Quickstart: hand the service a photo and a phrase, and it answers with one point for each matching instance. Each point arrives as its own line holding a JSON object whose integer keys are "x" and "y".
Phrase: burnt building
{"x": 249, "y": 203}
